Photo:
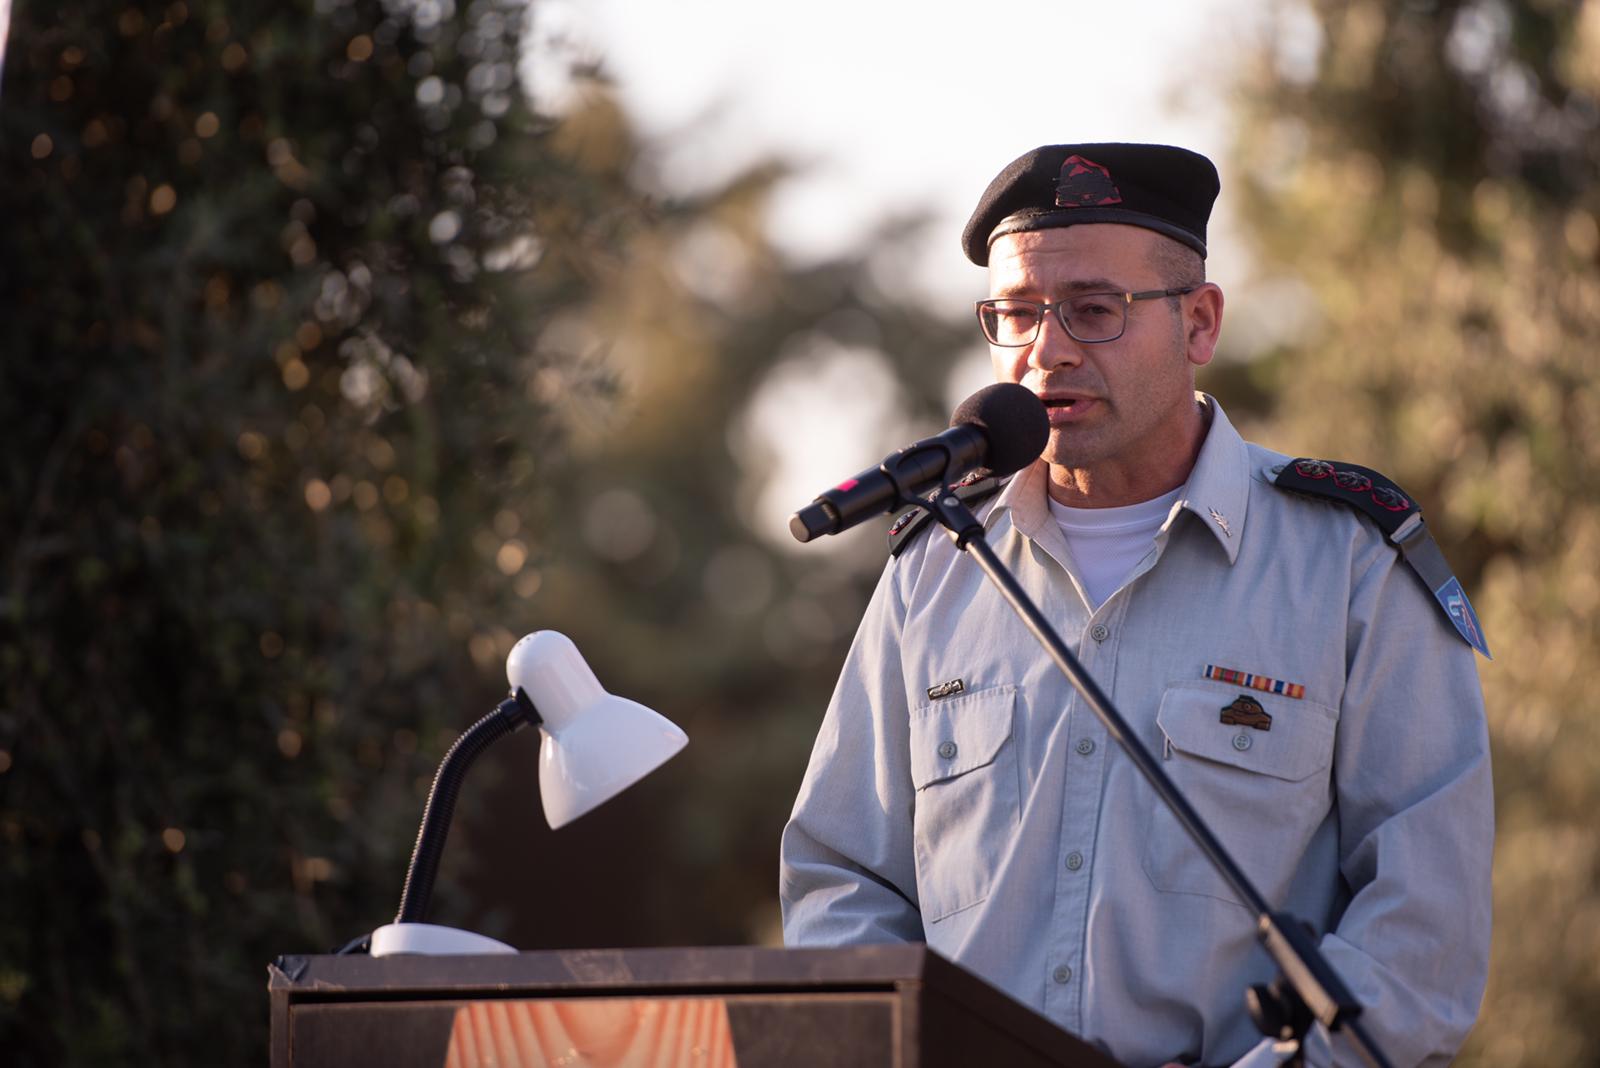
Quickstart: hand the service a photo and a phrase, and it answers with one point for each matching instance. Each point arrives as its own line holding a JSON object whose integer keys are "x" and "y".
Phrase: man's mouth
{"x": 1066, "y": 407}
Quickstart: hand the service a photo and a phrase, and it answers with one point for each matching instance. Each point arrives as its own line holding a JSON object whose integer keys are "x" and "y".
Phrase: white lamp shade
{"x": 593, "y": 745}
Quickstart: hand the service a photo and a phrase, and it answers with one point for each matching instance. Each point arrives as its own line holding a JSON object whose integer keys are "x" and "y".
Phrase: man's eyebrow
{"x": 1080, "y": 285}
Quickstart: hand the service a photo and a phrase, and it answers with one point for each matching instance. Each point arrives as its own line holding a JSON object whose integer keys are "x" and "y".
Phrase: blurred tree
{"x": 328, "y": 368}
{"x": 669, "y": 572}
{"x": 1428, "y": 174}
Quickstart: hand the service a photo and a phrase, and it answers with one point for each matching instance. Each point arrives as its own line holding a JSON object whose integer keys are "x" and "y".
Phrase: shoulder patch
{"x": 911, "y": 522}
{"x": 1400, "y": 519}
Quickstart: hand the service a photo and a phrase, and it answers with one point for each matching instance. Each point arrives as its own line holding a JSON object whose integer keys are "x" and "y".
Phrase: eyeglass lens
{"x": 1091, "y": 317}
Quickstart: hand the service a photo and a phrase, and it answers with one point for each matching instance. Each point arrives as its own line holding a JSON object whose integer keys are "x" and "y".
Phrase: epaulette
{"x": 975, "y": 488}
{"x": 1400, "y": 519}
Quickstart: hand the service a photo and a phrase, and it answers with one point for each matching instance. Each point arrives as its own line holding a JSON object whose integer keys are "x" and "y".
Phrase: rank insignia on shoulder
{"x": 908, "y": 524}
{"x": 1400, "y": 519}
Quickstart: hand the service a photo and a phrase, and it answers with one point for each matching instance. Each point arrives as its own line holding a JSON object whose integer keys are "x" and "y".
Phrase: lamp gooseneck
{"x": 511, "y": 715}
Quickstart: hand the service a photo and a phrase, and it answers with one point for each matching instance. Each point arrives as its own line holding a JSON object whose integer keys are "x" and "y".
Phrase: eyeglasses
{"x": 1087, "y": 317}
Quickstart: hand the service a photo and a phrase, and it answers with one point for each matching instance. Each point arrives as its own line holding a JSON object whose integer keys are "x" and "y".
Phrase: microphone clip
{"x": 946, "y": 507}
{"x": 954, "y": 515}
{"x": 906, "y": 495}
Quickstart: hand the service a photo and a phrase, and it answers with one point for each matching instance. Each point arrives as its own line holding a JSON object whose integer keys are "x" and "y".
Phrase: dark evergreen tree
{"x": 274, "y": 275}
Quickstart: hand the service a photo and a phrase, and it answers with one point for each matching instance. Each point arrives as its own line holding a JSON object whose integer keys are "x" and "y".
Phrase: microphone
{"x": 1002, "y": 427}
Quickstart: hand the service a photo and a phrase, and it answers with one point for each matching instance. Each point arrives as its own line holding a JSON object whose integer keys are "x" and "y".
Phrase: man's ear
{"x": 1202, "y": 323}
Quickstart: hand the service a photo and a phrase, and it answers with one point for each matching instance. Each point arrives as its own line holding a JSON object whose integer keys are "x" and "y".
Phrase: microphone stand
{"x": 1307, "y": 987}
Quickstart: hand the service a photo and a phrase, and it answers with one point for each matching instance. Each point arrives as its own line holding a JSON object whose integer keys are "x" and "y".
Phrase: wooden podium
{"x": 734, "y": 1007}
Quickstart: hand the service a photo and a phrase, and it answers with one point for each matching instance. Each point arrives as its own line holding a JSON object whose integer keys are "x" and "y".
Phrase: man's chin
{"x": 1073, "y": 448}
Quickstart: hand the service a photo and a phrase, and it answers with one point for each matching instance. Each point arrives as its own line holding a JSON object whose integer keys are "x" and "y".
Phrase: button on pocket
{"x": 1262, "y": 792}
{"x": 964, "y": 768}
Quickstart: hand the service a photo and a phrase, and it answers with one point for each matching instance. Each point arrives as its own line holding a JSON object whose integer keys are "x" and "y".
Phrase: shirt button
{"x": 948, "y": 749}
{"x": 1241, "y": 741}
{"x": 1062, "y": 974}
{"x": 1074, "y": 861}
{"x": 1085, "y": 746}
{"x": 1099, "y": 632}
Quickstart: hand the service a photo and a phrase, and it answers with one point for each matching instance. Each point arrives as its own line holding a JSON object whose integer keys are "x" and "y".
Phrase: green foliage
{"x": 274, "y": 275}
{"x": 1432, "y": 185}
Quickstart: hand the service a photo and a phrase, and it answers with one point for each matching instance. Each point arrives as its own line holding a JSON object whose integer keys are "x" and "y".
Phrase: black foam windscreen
{"x": 1014, "y": 421}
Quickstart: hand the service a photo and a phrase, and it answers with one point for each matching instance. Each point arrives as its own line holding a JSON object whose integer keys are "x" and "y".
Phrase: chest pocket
{"x": 1262, "y": 792}
{"x": 964, "y": 767}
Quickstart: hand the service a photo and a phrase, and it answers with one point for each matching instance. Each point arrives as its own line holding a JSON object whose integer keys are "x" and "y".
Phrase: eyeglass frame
{"x": 1044, "y": 310}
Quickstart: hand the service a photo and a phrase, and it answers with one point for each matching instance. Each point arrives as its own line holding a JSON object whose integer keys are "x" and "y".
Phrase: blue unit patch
{"x": 1454, "y": 601}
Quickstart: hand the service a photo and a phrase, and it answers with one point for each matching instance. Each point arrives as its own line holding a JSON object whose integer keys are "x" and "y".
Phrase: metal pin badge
{"x": 1246, "y": 711}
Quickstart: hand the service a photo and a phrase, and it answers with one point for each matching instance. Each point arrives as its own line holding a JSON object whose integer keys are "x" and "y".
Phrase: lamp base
{"x": 432, "y": 940}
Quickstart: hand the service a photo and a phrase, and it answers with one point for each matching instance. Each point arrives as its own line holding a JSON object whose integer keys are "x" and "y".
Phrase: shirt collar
{"x": 1217, "y": 492}
{"x": 1025, "y": 497}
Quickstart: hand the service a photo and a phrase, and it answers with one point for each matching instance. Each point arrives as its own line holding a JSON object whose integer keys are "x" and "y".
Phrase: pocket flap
{"x": 1298, "y": 744}
{"x": 955, "y": 735}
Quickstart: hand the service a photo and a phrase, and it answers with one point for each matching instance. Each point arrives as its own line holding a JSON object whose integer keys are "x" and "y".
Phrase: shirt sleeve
{"x": 1416, "y": 822}
{"x": 847, "y": 874}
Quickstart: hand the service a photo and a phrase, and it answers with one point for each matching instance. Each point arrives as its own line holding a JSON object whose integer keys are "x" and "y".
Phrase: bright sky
{"x": 897, "y": 104}
{"x": 894, "y": 105}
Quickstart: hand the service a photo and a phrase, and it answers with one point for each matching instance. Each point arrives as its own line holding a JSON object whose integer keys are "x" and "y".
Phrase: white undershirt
{"x": 1108, "y": 543}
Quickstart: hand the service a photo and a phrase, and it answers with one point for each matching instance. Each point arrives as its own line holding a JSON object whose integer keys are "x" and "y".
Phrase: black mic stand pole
{"x": 1308, "y": 987}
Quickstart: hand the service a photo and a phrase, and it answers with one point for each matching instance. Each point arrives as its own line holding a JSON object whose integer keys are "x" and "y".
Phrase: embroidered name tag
{"x": 1255, "y": 682}
{"x": 945, "y": 689}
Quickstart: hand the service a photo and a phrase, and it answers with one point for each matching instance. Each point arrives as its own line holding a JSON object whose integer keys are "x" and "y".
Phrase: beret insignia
{"x": 1085, "y": 184}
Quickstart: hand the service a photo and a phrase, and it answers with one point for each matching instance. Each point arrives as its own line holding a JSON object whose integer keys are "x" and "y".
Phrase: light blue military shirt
{"x": 960, "y": 792}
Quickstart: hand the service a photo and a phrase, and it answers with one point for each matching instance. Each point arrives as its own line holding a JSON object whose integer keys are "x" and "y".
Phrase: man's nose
{"x": 1054, "y": 347}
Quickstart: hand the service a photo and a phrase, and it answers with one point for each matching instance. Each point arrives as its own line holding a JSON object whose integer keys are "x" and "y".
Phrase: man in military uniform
{"x": 960, "y": 792}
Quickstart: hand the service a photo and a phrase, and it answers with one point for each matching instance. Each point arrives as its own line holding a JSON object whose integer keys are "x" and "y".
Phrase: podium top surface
{"x": 580, "y": 971}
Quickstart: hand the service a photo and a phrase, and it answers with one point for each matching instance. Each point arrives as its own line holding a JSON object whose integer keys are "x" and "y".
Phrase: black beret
{"x": 1159, "y": 187}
